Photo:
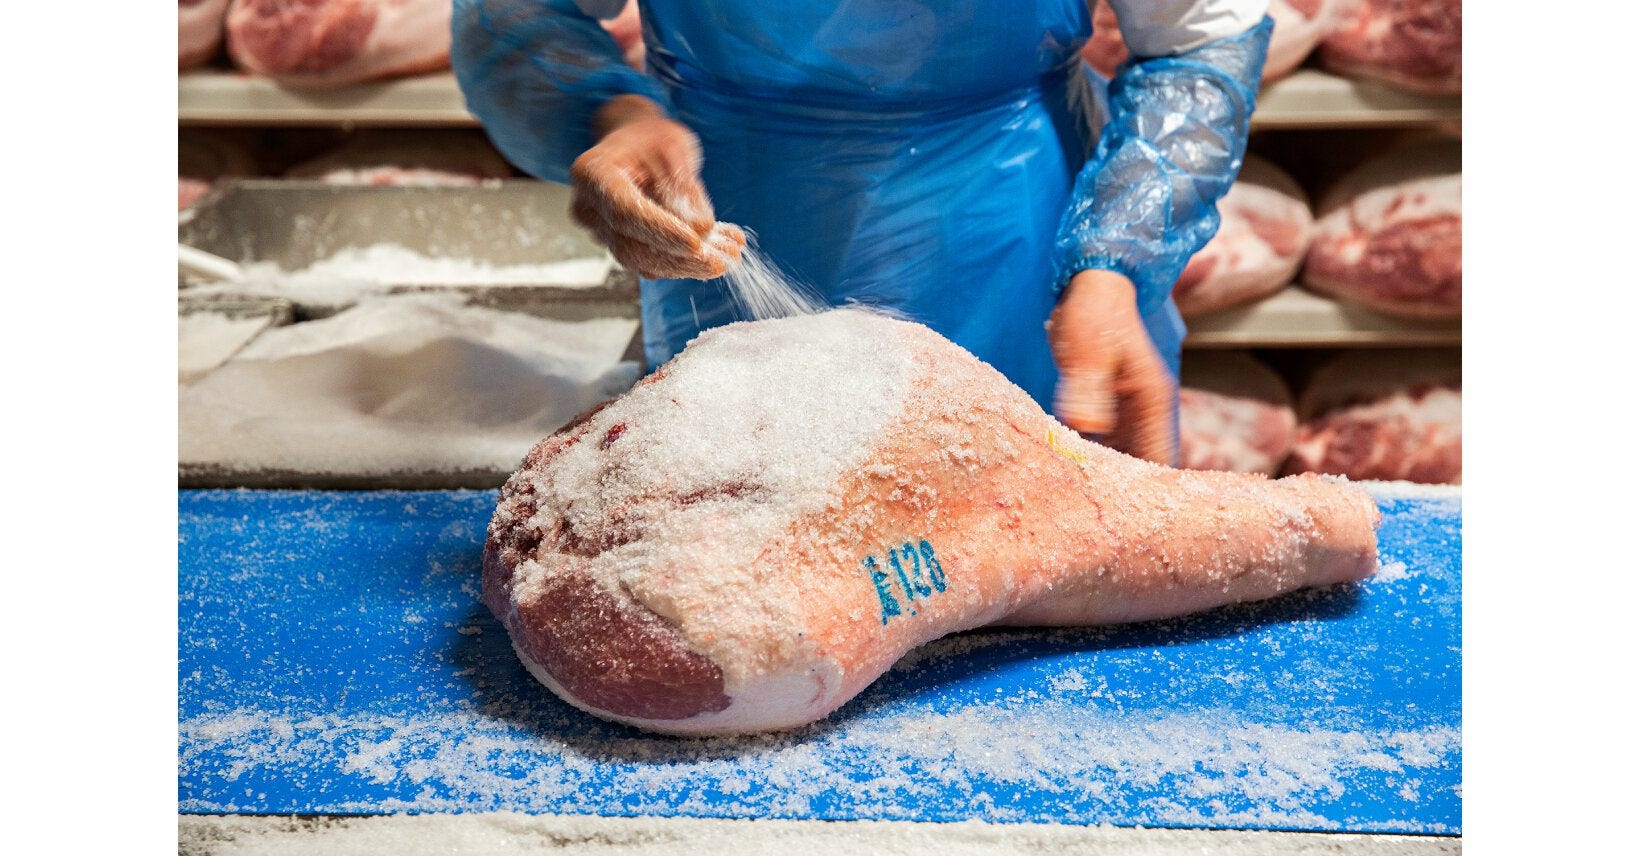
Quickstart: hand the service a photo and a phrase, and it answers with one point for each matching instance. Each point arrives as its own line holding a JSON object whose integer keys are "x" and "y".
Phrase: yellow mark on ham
{"x": 1074, "y": 455}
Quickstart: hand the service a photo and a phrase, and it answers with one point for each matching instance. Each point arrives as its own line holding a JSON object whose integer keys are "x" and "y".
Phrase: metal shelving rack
{"x": 1307, "y": 99}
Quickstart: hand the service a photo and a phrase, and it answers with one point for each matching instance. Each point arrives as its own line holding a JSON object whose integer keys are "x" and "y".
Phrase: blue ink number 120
{"x": 907, "y": 565}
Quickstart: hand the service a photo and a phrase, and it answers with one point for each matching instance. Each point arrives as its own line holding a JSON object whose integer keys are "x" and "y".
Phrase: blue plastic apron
{"x": 888, "y": 154}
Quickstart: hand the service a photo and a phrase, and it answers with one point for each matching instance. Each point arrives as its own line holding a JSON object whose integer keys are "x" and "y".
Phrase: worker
{"x": 950, "y": 159}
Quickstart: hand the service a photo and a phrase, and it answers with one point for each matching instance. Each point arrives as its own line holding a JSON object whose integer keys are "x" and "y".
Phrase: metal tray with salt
{"x": 439, "y": 332}
{"x": 504, "y": 244}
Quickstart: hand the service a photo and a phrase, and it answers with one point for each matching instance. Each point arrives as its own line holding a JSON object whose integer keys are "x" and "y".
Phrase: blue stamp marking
{"x": 936, "y": 574}
{"x": 914, "y": 558}
{"x": 885, "y": 596}
{"x": 911, "y": 564}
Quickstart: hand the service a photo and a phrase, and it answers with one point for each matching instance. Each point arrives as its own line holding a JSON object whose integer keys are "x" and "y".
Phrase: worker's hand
{"x": 638, "y": 189}
{"x": 1112, "y": 382}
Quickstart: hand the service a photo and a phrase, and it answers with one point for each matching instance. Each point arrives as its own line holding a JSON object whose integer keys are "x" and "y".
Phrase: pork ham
{"x": 1392, "y": 415}
{"x": 1235, "y": 414}
{"x": 1410, "y": 44}
{"x": 763, "y": 526}
{"x": 1264, "y": 229}
{"x": 331, "y": 43}
{"x": 1390, "y": 234}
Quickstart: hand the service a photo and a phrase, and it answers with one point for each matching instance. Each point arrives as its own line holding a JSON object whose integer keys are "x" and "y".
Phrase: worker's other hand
{"x": 638, "y": 189}
{"x": 1112, "y": 382}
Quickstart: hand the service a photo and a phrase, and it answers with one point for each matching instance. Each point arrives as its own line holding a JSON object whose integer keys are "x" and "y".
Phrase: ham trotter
{"x": 762, "y": 527}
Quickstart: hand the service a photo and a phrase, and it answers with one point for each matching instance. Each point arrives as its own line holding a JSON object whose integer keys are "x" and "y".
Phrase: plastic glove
{"x": 1112, "y": 381}
{"x": 639, "y": 190}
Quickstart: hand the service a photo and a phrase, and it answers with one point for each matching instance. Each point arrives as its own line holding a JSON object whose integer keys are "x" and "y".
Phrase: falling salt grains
{"x": 762, "y": 290}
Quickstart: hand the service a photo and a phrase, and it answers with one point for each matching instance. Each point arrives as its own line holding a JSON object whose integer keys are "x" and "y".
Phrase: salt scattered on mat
{"x": 1392, "y": 571}
{"x": 1199, "y": 768}
{"x": 404, "y": 383}
{"x": 206, "y": 340}
{"x": 358, "y": 271}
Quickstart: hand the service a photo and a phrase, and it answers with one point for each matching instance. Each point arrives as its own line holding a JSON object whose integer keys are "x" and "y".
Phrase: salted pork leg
{"x": 331, "y": 43}
{"x": 760, "y": 528}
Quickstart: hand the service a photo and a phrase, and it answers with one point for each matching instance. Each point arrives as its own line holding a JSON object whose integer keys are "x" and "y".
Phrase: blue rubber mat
{"x": 334, "y": 659}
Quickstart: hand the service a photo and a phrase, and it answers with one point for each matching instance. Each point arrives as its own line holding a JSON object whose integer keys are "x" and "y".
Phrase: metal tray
{"x": 516, "y": 222}
{"x": 296, "y": 223}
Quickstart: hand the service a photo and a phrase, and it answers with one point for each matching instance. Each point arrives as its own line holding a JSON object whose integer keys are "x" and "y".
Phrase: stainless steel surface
{"x": 295, "y": 224}
{"x": 231, "y": 98}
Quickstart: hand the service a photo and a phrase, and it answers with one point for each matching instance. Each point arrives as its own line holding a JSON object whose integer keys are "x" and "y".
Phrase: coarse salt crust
{"x": 742, "y": 438}
{"x": 721, "y": 518}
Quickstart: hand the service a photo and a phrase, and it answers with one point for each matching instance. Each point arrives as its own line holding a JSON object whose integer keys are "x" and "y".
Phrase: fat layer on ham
{"x": 1390, "y": 234}
{"x": 1264, "y": 230}
{"x": 330, "y": 43}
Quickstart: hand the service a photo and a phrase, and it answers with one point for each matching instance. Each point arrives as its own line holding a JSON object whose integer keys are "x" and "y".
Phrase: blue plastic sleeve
{"x": 535, "y": 72}
{"x": 1145, "y": 200}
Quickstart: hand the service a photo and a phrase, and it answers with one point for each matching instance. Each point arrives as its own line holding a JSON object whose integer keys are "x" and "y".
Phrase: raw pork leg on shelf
{"x": 199, "y": 30}
{"x": 1300, "y": 25}
{"x": 330, "y": 43}
{"x": 1411, "y": 44}
{"x": 1390, "y": 234}
{"x": 1235, "y": 414}
{"x": 1264, "y": 229}
{"x": 760, "y": 528}
{"x": 416, "y": 158}
{"x": 1391, "y": 415}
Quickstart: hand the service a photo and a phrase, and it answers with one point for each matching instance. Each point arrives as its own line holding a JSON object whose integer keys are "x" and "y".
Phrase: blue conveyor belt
{"x": 333, "y": 659}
